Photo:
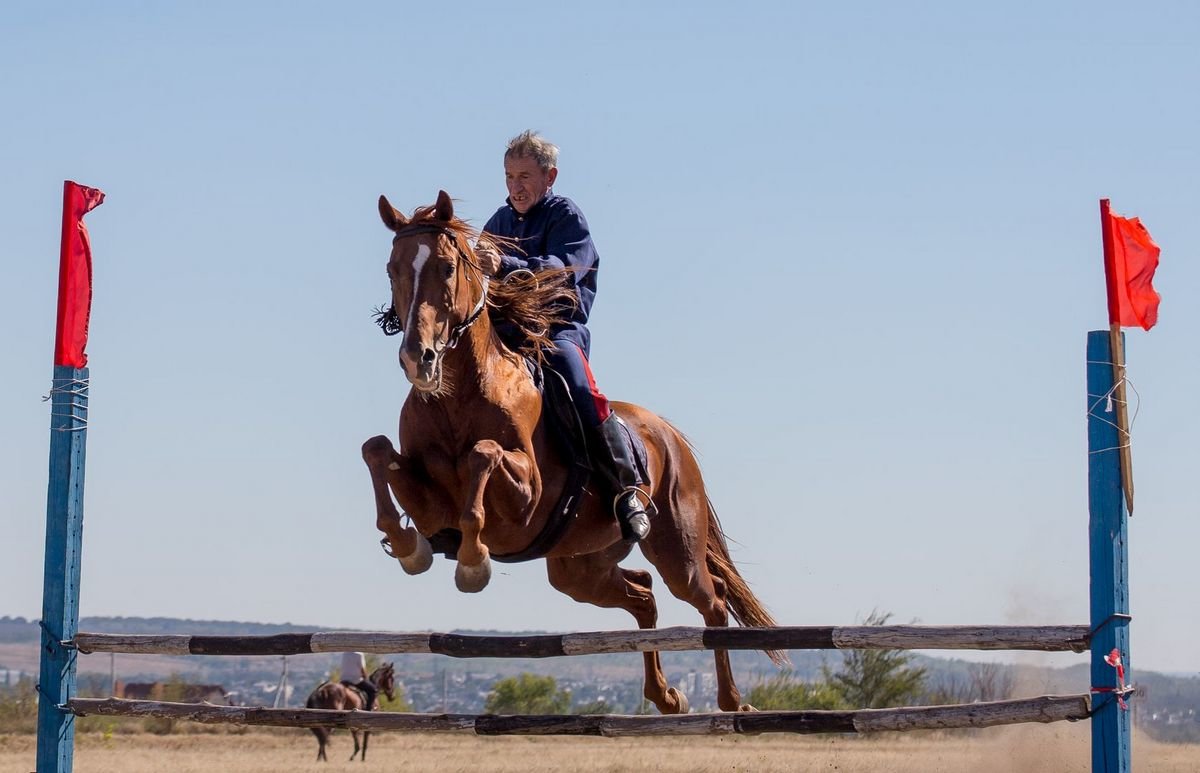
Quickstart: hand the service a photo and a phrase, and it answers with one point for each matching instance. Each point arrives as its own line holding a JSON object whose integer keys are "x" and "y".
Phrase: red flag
{"x": 1130, "y": 259}
{"x": 75, "y": 275}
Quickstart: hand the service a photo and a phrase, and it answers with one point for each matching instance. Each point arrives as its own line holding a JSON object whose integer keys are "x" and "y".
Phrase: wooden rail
{"x": 1061, "y": 638}
{"x": 1050, "y": 708}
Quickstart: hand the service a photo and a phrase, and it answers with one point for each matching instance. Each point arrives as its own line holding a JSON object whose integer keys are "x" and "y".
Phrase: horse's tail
{"x": 743, "y": 605}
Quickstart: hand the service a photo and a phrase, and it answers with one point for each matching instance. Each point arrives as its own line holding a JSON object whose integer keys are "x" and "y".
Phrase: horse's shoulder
{"x": 508, "y": 382}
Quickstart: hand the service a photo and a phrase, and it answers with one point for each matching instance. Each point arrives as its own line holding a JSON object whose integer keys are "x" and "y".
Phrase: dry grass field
{"x": 1058, "y": 748}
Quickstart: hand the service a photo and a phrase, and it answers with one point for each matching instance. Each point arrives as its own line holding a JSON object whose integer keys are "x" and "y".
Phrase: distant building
{"x": 10, "y": 677}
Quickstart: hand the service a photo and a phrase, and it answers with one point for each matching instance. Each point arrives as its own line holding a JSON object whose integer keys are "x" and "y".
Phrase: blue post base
{"x": 1109, "y": 551}
{"x": 60, "y": 588}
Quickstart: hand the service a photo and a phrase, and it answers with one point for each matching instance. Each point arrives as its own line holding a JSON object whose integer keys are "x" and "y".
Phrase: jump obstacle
{"x": 1043, "y": 709}
{"x": 1107, "y": 633}
{"x": 1106, "y": 637}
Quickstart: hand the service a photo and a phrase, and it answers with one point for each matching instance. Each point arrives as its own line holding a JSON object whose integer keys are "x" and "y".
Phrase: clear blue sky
{"x": 851, "y": 249}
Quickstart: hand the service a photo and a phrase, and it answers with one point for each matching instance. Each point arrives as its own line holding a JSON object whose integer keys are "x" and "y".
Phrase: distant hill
{"x": 18, "y": 629}
{"x": 806, "y": 664}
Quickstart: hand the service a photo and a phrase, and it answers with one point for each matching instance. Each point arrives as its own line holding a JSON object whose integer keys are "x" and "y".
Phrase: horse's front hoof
{"x": 682, "y": 705}
{"x": 422, "y": 556}
{"x": 746, "y": 707}
{"x": 472, "y": 579}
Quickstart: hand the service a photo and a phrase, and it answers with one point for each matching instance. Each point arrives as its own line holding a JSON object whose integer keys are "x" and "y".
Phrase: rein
{"x": 457, "y": 331}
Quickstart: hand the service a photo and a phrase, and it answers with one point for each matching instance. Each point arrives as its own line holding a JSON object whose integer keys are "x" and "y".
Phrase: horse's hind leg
{"x": 685, "y": 537}
{"x": 717, "y": 616}
{"x": 366, "y": 737}
{"x": 595, "y": 579}
{"x": 688, "y": 578}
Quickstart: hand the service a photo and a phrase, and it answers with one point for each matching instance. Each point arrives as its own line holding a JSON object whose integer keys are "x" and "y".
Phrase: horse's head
{"x": 439, "y": 286}
{"x": 384, "y": 678}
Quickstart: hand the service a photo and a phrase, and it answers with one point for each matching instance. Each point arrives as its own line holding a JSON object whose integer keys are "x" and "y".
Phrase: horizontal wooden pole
{"x": 1050, "y": 708}
{"x": 1053, "y": 638}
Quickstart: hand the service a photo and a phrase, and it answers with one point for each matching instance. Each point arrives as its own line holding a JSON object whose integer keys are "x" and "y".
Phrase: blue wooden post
{"x": 1107, "y": 537}
{"x": 60, "y": 588}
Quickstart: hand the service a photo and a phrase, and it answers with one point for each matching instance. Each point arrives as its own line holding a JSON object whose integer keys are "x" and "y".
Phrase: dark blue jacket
{"x": 552, "y": 234}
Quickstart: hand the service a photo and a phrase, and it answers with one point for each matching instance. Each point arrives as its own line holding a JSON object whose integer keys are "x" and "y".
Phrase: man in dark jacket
{"x": 552, "y": 233}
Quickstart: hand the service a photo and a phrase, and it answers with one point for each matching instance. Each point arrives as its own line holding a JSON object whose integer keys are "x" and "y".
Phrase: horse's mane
{"x": 534, "y": 304}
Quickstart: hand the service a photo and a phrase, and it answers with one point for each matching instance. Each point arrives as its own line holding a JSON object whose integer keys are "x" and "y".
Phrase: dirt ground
{"x": 1059, "y": 748}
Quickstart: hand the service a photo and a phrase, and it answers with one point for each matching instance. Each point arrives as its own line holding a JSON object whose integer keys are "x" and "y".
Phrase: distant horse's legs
{"x": 474, "y": 568}
{"x": 596, "y": 579}
{"x": 322, "y": 735}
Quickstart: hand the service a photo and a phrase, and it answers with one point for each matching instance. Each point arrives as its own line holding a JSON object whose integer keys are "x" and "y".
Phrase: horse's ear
{"x": 392, "y": 217}
{"x": 444, "y": 209}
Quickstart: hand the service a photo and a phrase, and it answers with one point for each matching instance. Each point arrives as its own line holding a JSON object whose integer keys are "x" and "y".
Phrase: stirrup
{"x": 649, "y": 508}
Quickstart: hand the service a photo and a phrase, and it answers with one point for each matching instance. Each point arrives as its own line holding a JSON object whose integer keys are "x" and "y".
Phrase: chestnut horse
{"x": 335, "y": 695}
{"x": 477, "y": 455}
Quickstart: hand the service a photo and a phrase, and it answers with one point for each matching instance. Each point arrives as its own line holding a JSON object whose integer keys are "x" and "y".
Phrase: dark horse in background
{"x": 335, "y": 695}
{"x": 477, "y": 455}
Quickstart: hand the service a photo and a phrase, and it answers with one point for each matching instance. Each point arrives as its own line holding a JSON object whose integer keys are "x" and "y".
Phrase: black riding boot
{"x": 369, "y": 693}
{"x": 619, "y": 467}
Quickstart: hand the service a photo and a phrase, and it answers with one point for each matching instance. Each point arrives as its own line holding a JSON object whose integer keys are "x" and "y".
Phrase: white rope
{"x": 77, "y": 389}
{"x": 1108, "y": 399}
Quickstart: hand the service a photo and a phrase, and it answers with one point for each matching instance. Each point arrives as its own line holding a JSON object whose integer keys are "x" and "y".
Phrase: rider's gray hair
{"x": 530, "y": 144}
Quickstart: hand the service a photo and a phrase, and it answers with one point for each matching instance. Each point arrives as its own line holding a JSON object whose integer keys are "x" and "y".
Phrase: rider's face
{"x": 527, "y": 182}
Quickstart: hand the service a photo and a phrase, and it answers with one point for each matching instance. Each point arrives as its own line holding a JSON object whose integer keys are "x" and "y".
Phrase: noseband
{"x": 389, "y": 321}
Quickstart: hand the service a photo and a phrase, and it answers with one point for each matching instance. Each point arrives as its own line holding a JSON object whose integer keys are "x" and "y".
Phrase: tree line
{"x": 866, "y": 679}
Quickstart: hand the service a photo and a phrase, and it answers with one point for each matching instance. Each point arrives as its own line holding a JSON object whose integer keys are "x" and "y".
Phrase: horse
{"x": 477, "y": 455}
{"x": 335, "y": 695}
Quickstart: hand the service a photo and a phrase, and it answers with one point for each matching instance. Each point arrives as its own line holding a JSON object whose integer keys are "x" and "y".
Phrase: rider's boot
{"x": 619, "y": 467}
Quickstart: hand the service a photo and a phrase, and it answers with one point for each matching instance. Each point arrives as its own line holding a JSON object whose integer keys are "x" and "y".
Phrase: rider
{"x": 354, "y": 674}
{"x": 551, "y": 233}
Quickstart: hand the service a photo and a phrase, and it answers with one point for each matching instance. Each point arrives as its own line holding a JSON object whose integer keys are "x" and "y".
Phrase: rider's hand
{"x": 489, "y": 256}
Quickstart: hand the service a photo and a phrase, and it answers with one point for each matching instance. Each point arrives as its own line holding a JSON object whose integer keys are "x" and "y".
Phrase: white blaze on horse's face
{"x": 421, "y": 295}
{"x": 417, "y": 265}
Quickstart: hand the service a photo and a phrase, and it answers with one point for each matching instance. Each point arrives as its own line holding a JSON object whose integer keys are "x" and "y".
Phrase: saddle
{"x": 566, "y": 429}
{"x": 357, "y": 690}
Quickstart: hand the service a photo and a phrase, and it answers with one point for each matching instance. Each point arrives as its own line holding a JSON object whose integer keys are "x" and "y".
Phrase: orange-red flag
{"x": 75, "y": 275}
{"x": 1130, "y": 259}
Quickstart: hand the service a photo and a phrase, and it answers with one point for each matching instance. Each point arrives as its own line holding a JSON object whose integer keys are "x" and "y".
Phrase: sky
{"x": 851, "y": 249}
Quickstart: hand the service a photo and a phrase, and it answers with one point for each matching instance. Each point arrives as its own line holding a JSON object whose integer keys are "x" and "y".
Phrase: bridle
{"x": 389, "y": 321}
{"x": 383, "y": 680}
